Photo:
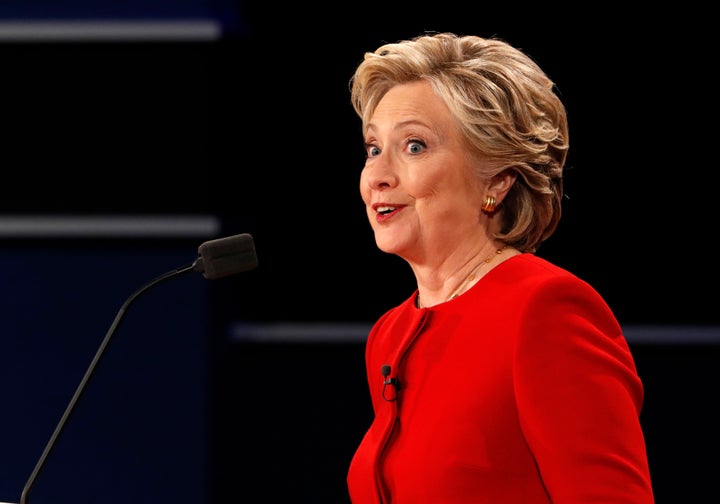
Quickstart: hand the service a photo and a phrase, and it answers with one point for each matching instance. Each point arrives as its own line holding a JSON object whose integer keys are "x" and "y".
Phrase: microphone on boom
{"x": 217, "y": 258}
{"x": 226, "y": 256}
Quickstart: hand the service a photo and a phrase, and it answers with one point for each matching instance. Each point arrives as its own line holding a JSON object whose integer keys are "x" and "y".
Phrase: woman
{"x": 503, "y": 378}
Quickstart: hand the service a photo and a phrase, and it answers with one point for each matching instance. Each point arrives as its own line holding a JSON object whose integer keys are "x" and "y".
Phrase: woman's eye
{"x": 415, "y": 146}
{"x": 372, "y": 151}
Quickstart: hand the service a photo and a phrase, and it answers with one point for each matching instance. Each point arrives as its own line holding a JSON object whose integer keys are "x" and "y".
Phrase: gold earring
{"x": 488, "y": 205}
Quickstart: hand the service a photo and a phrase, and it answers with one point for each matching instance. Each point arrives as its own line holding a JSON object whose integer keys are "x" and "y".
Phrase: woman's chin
{"x": 391, "y": 246}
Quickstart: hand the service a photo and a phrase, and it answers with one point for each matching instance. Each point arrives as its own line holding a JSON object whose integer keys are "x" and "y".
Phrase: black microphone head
{"x": 226, "y": 256}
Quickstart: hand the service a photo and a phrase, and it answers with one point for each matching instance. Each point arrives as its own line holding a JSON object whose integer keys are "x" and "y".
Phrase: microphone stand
{"x": 218, "y": 258}
{"x": 91, "y": 369}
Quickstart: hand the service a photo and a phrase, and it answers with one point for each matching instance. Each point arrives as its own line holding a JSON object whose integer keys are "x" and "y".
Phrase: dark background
{"x": 255, "y": 127}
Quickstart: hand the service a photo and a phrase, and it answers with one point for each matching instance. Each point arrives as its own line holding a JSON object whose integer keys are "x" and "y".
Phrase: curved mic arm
{"x": 217, "y": 259}
{"x": 88, "y": 374}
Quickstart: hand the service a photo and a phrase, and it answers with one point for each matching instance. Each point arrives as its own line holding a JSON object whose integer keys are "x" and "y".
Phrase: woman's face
{"x": 421, "y": 195}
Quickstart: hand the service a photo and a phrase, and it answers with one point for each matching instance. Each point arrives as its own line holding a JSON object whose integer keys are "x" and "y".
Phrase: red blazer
{"x": 523, "y": 390}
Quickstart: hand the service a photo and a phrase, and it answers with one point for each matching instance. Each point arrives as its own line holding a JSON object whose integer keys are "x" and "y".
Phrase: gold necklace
{"x": 471, "y": 276}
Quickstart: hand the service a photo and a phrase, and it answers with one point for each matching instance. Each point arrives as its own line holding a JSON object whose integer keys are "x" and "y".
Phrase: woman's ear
{"x": 501, "y": 183}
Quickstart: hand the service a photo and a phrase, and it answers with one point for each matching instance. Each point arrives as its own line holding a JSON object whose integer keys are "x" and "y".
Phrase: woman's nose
{"x": 380, "y": 173}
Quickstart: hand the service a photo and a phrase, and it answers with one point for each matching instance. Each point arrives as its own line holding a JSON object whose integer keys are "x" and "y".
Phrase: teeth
{"x": 385, "y": 209}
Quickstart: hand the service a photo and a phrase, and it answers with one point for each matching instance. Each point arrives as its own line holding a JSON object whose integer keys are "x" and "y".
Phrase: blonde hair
{"x": 506, "y": 107}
